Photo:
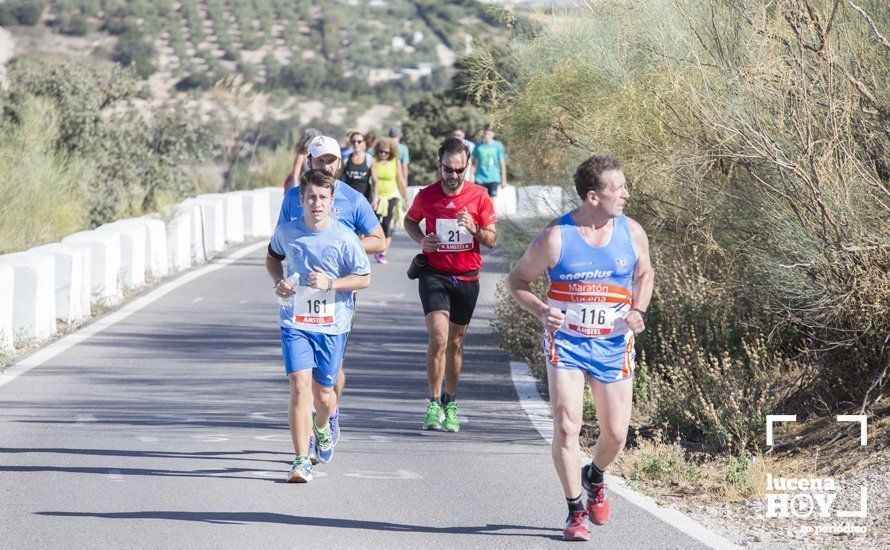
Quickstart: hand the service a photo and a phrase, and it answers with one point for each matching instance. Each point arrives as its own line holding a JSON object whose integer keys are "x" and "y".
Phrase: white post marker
{"x": 505, "y": 201}
{"x": 179, "y": 240}
{"x": 132, "y": 244}
{"x": 276, "y": 198}
{"x": 73, "y": 283}
{"x": 234, "y": 216}
{"x": 213, "y": 218}
{"x": 539, "y": 200}
{"x": 105, "y": 257}
{"x": 33, "y": 294}
{"x": 257, "y": 218}
{"x": 7, "y": 276}
{"x": 196, "y": 230}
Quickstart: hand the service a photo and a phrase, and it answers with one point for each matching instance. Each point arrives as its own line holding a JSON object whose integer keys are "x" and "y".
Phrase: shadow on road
{"x": 241, "y": 518}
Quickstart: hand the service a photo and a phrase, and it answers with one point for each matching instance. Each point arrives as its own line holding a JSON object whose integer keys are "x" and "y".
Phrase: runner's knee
{"x": 566, "y": 426}
{"x": 614, "y": 438}
{"x": 438, "y": 343}
{"x": 299, "y": 386}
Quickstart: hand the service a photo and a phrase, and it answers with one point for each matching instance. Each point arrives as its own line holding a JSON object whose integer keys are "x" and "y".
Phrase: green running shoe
{"x": 450, "y": 423}
{"x": 301, "y": 471}
{"x": 433, "y": 420}
{"x": 324, "y": 442}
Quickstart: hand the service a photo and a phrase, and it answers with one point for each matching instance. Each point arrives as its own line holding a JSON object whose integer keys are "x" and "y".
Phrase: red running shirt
{"x": 458, "y": 250}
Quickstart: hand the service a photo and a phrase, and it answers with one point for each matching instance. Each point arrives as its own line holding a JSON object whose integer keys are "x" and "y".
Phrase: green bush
{"x": 21, "y": 12}
{"x": 133, "y": 50}
{"x": 430, "y": 120}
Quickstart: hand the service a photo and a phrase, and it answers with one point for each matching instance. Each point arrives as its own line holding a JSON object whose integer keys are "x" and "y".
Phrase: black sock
{"x": 594, "y": 474}
{"x": 575, "y": 504}
{"x": 447, "y": 398}
{"x": 436, "y": 399}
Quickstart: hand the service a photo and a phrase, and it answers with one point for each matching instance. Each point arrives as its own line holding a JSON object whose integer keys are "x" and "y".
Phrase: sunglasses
{"x": 356, "y": 141}
{"x": 449, "y": 170}
{"x": 384, "y": 151}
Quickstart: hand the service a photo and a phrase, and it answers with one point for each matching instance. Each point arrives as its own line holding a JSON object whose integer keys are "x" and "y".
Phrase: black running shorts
{"x": 440, "y": 292}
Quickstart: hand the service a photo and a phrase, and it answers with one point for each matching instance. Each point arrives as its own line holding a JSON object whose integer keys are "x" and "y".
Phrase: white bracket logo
{"x": 861, "y": 418}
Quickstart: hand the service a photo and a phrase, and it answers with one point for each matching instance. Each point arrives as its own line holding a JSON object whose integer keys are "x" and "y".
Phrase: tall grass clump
{"x": 40, "y": 196}
{"x": 754, "y": 136}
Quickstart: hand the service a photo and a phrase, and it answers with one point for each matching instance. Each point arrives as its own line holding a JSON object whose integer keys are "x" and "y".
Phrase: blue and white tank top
{"x": 593, "y": 285}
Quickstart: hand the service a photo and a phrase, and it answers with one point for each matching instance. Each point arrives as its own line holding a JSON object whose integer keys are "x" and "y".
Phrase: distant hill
{"x": 346, "y": 53}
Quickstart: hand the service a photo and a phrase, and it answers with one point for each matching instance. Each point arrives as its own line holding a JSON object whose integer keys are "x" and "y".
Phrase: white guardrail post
{"x": 34, "y": 294}
{"x": 105, "y": 259}
{"x": 73, "y": 279}
{"x": 132, "y": 243}
{"x": 7, "y": 277}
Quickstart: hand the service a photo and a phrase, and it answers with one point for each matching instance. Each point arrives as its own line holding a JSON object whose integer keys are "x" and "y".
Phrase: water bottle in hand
{"x": 293, "y": 281}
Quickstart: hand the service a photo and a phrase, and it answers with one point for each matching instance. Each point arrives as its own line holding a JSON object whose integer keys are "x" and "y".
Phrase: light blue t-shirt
{"x": 488, "y": 161}
{"x": 404, "y": 155}
{"x": 338, "y": 252}
{"x": 351, "y": 208}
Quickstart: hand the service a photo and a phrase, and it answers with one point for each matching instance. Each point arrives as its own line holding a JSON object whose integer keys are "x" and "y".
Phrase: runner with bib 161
{"x": 326, "y": 263}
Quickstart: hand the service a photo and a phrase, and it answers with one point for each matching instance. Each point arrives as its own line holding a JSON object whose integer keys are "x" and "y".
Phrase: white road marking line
{"x": 273, "y": 437}
{"x": 538, "y": 412}
{"x": 398, "y": 474}
{"x": 198, "y": 299}
{"x": 82, "y": 419}
{"x": 114, "y": 475}
{"x": 64, "y": 344}
{"x": 209, "y": 438}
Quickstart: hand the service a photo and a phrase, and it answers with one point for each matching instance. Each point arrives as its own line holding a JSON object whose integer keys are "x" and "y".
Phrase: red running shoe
{"x": 598, "y": 508}
{"x": 576, "y": 527}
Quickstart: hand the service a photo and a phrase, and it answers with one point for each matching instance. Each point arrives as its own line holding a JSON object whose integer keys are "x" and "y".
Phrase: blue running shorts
{"x": 320, "y": 352}
{"x": 605, "y": 359}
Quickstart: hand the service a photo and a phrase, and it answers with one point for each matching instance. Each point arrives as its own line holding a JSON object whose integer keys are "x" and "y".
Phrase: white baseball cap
{"x": 323, "y": 145}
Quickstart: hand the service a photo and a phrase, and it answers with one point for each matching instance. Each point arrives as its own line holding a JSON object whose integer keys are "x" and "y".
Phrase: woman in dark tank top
{"x": 357, "y": 173}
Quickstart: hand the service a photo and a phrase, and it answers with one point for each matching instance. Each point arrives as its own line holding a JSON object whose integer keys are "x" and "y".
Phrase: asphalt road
{"x": 169, "y": 429}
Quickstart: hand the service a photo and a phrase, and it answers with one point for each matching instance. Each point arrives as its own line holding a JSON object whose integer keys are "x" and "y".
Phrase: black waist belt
{"x": 474, "y": 273}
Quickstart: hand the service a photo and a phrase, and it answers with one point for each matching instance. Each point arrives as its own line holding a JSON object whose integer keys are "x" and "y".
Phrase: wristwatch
{"x": 642, "y": 313}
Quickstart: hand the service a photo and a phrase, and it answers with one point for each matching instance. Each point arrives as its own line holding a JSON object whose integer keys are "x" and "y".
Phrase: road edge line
{"x": 538, "y": 412}
{"x": 68, "y": 341}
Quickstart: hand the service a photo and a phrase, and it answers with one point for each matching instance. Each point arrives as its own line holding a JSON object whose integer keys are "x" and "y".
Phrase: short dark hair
{"x": 588, "y": 175}
{"x": 453, "y": 146}
{"x": 318, "y": 178}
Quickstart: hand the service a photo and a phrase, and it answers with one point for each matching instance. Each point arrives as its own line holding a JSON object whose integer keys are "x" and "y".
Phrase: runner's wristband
{"x": 642, "y": 313}
{"x": 330, "y": 284}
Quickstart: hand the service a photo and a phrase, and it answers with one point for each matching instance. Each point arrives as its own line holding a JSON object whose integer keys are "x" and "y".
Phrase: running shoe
{"x": 433, "y": 420}
{"x": 377, "y": 257}
{"x": 450, "y": 423}
{"x": 324, "y": 443}
{"x": 598, "y": 508}
{"x": 335, "y": 425}
{"x": 301, "y": 471}
{"x": 382, "y": 259}
{"x": 312, "y": 457}
{"x": 576, "y": 527}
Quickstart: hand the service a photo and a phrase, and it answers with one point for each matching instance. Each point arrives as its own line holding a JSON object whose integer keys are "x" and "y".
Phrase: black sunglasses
{"x": 356, "y": 141}
{"x": 448, "y": 170}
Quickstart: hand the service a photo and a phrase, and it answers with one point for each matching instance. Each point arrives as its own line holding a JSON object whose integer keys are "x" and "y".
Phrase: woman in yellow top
{"x": 391, "y": 189}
